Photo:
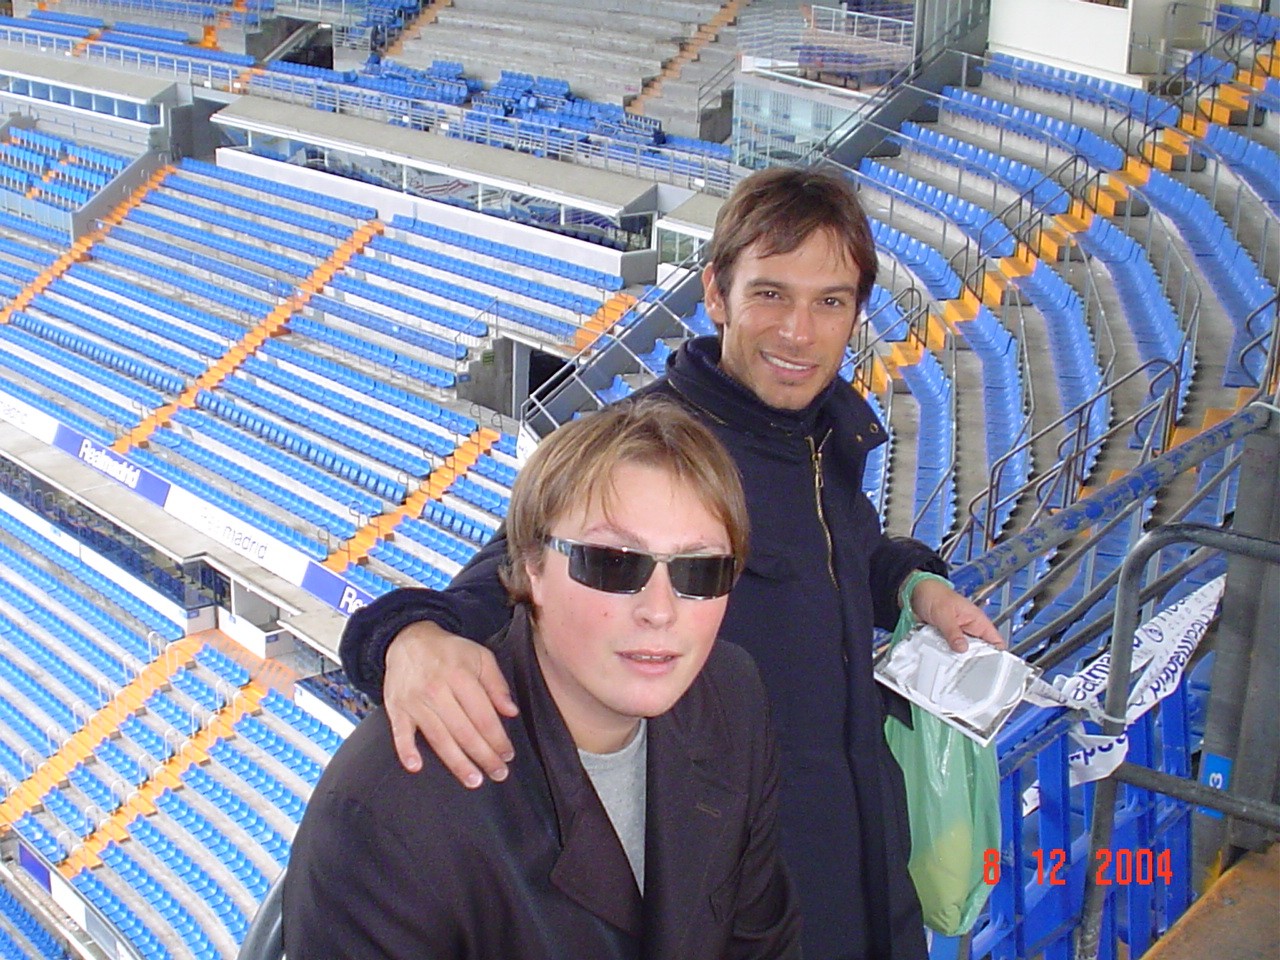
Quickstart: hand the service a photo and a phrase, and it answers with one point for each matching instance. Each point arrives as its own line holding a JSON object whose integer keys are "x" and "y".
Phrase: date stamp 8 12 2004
{"x": 1122, "y": 866}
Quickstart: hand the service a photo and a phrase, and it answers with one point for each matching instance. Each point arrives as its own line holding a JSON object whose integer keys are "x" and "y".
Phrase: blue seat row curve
{"x": 125, "y": 920}
{"x": 346, "y": 208}
{"x": 324, "y": 306}
{"x": 315, "y": 730}
{"x": 396, "y": 361}
{"x": 112, "y": 412}
{"x": 266, "y": 784}
{"x": 230, "y": 803}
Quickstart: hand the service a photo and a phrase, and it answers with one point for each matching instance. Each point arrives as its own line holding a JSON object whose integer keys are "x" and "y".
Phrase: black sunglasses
{"x": 694, "y": 576}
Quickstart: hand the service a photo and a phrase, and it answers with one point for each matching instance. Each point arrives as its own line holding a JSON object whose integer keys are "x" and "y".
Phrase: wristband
{"x": 914, "y": 579}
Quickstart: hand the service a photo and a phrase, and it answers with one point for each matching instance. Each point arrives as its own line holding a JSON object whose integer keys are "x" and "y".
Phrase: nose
{"x": 656, "y": 603}
{"x": 798, "y": 327}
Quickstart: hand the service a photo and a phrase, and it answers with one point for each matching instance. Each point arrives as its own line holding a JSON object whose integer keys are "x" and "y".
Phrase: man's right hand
{"x": 450, "y": 689}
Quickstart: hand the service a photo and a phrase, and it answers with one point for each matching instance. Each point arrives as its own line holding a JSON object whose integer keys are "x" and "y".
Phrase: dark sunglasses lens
{"x": 610, "y": 570}
{"x": 702, "y": 577}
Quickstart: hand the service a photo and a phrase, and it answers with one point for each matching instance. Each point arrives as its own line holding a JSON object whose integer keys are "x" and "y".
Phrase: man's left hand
{"x": 953, "y": 615}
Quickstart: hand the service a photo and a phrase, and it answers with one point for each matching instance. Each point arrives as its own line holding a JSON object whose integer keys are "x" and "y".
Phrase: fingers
{"x": 495, "y": 685}
{"x": 403, "y": 729}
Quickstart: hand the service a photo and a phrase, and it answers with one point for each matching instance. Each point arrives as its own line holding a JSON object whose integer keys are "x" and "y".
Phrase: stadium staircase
{"x": 382, "y": 527}
{"x": 130, "y": 698}
{"x": 270, "y": 326}
{"x": 603, "y": 320}
{"x": 689, "y": 51}
{"x": 168, "y": 777}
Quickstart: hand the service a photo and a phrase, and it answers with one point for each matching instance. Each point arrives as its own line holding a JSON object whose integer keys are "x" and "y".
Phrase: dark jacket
{"x": 388, "y": 864}
{"x": 819, "y": 574}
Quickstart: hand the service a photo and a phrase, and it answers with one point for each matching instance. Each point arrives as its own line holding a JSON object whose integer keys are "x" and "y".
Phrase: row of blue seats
{"x": 60, "y": 16}
{"x": 875, "y": 475}
{"x": 38, "y": 695}
{"x": 106, "y": 357}
{"x": 81, "y": 177}
{"x": 1069, "y": 136}
{"x": 87, "y": 649}
{"x": 165, "y": 904}
{"x": 14, "y": 764}
{"x": 340, "y": 528}
{"x": 21, "y": 274}
{"x": 258, "y": 733}
{"x": 236, "y": 247}
{"x": 17, "y": 181}
{"x": 139, "y": 395}
{"x": 942, "y": 282}
{"x": 520, "y": 255}
{"x": 232, "y": 505}
{"x": 112, "y": 412}
{"x": 365, "y": 579}
{"x": 106, "y": 587}
{"x": 301, "y": 446}
{"x": 50, "y": 662}
{"x": 394, "y": 361}
{"x": 455, "y": 521}
{"x": 59, "y": 805}
{"x": 147, "y": 30}
{"x": 410, "y": 564}
{"x": 50, "y": 145}
{"x": 8, "y": 289}
{"x": 37, "y": 28}
{"x": 292, "y": 467}
{"x": 198, "y": 690}
{"x": 319, "y": 733}
{"x": 62, "y": 196}
{"x": 474, "y": 299}
{"x": 436, "y": 539}
{"x": 26, "y": 924}
{"x": 186, "y": 722}
{"x": 152, "y": 744}
{"x": 119, "y": 760}
{"x": 92, "y": 786}
{"x": 55, "y": 37}
{"x": 1253, "y": 161}
{"x": 335, "y": 430}
{"x": 229, "y": 670}
{"x": 193, "y": 875}
{"x": 11, "y": 221}
{"x": 1232, "y": 272}
{"x": 240, "y": 227}
{"x": 993, "y": 238}
{"x": 346, "y": 208}
{"x": 258, "y": 205}
{"x": 1251, "y": 21}
{"x": 22, "y": 251}
{"x": 17, "y": 720}
{"x": 1148, "y": 108}
{"x": 486, "y": 275}
{"x": 440, "y": 316}
{"x": 124, "y": 919}
{"x": 1021, "y": 176}
{"x": 147, "y": 320}
{"x": 480, "y": 496}
{"x": 95, "y": 159}
{"x": 933, "y": 511}
{"x": 329, "y": 306}
{"x": 162, "y": 268}
{"x": 25, "y": 159}
{"x": 454, "y": 423}
{"x": 489, "y": 468}
{"x": 236, "y": 809}
{"x": 31, "y": 830}
{"x": 265, "y": 784}
{"x": 174, "y": 49}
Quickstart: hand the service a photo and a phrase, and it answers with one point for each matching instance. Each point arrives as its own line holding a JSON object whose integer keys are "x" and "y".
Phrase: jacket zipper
{"x": 815, "y": 454}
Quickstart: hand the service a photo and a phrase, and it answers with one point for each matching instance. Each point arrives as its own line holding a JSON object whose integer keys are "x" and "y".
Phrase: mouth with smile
{"x": 788, "y": 368}
{"x": 649, "y": 662}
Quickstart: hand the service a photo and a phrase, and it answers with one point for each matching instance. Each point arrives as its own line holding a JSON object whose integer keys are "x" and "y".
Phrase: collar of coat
{"x": 694, "y": 372}
{"x": 686, "y": 792}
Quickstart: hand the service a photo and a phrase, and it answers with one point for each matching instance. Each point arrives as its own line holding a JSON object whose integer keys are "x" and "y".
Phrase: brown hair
{"x": 780, "y": 208}
{"x": 575, "y": 464}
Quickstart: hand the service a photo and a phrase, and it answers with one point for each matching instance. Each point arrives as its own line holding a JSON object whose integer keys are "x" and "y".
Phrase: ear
{"x": 712, "y": 298}
{"x": 533, "y": 570}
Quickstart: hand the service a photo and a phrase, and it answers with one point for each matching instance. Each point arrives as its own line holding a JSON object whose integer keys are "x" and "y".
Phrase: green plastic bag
{"x": 953, "y": 791}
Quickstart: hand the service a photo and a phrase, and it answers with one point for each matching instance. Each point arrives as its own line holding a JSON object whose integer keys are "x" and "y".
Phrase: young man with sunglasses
{"x": 789, "y": 268}
{"x": 639, "y": 818}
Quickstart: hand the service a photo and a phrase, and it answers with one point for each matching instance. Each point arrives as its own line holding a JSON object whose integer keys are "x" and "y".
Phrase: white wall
{"x": 1074, "y": 34}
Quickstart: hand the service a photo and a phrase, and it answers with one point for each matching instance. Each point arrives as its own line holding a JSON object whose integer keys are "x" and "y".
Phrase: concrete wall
{"x": 1074, "y": 34}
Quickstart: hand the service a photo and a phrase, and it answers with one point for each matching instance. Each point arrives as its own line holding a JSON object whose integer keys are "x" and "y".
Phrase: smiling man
{"x": 789, "y": 268}
{"x": 639, "y": 818}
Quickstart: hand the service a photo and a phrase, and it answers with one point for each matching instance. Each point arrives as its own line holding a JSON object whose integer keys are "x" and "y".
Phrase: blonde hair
{"x": 575, "y": 465}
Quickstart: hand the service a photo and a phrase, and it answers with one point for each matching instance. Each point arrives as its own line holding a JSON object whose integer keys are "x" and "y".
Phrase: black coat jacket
{"x": 819, "y": 575}
{"x": 392, "y": 865}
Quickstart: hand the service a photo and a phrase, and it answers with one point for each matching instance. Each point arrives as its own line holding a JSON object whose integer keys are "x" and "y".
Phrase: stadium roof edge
{"x": 585, "y": 188}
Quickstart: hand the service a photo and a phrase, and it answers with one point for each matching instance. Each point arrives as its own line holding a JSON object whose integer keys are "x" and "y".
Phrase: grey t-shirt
{"x": 621, "y": 782}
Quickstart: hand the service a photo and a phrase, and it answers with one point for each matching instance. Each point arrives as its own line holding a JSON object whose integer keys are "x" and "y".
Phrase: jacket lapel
{"x": 689, "y": 807}
{"x": 592, "y": 869}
